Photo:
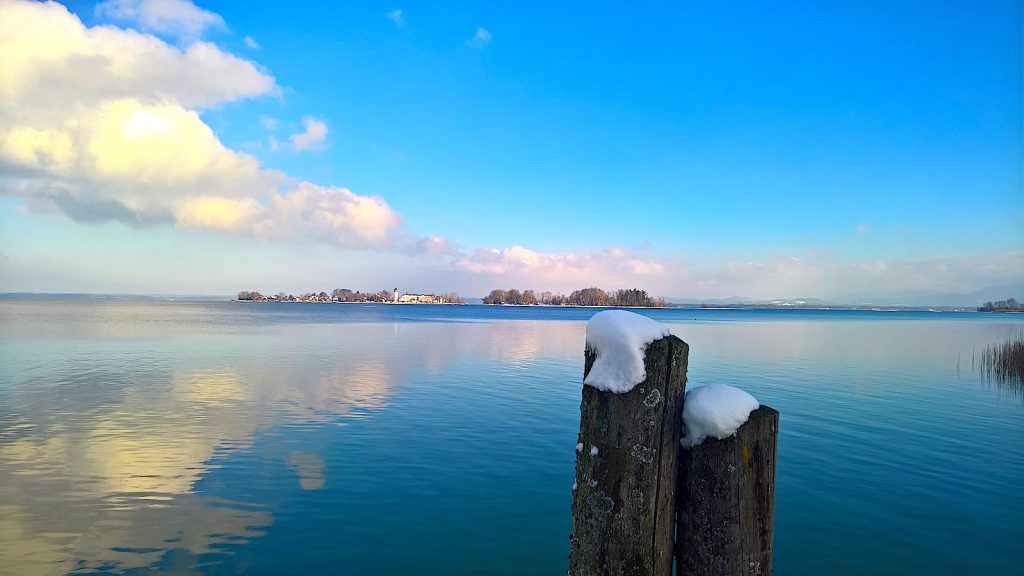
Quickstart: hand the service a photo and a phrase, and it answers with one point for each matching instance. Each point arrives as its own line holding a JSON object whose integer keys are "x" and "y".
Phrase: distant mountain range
{"x": 734, "y": 301}
{"x": 904, "y": 299}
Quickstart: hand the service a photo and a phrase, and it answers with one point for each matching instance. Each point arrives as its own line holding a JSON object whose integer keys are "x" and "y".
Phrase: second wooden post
{"x": 727, "y": 501}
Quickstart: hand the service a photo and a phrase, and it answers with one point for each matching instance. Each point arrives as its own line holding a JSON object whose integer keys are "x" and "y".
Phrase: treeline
{"x": 585, "y": 297}
{"x": 336, "y": 295}
{"x": 453, "y": 298}
{"x": 1001, "y": 305}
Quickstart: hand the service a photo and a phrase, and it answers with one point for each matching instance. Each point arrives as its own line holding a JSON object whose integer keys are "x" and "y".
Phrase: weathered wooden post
{"x": 726, "y": 501}
{"x": 627, "y": 457}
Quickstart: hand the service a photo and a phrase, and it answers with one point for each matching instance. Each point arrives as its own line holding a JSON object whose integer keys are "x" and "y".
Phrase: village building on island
{"x": 418, "y": 298}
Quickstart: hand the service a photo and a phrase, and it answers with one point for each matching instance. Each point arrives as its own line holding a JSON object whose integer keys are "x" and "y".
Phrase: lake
{"x": 260, "y": 438}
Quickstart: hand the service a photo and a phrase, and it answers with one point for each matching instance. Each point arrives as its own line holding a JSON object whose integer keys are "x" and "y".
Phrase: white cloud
{"x": 480, "y": 38}
{"x": 307, "y": 212}
{"x": 102, "y": 124}
{"x": 312, "y": 138}
{"x": 434, "y": 247}
{"x": 179, "y": 18}
{"x": 396, "y": 17}
{"x": 252, "y": 44}
{"x": 50, "y": 61}
{"x": 127, "y": 160}
{"x": 863, "y": 228}
{"x": 561, "y": 270}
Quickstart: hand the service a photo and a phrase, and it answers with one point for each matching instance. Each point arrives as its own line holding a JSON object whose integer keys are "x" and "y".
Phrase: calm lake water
{"x": 226, "y": 438}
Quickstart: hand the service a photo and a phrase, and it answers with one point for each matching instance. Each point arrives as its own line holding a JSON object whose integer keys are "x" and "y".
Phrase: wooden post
{"x": 623, "y": 507}
{"x": 726, "y": 501}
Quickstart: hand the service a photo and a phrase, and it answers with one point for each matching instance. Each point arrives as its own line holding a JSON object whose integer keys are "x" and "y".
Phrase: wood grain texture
{"x": 726, "y": 501}
{"x": 624, "y": 502}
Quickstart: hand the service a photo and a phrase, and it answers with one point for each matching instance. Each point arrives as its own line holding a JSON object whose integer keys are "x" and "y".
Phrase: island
{"x": 345, "y": 295}
{"x": 1010, "y": 305}
{"x": 631, "y": 298}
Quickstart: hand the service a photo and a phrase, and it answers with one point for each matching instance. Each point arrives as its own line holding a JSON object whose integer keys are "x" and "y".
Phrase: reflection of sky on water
{"x": 192, "y": 439}
{"x": 309, "y": 468}
{"x": 109, "y": 425}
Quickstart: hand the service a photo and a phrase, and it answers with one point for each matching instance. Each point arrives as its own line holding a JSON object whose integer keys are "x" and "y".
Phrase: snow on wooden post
{"x": 726, "y": 494}
{"x": 627, "y": 458}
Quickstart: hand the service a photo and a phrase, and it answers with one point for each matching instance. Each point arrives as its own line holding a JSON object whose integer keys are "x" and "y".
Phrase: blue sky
{"x": 849, "y": 150}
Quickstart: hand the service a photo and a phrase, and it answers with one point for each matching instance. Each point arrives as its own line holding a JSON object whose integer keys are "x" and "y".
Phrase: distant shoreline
{"x": 739, "y": 307}
{"x": 91, "y": 297}
{"x": 350, "y": 302}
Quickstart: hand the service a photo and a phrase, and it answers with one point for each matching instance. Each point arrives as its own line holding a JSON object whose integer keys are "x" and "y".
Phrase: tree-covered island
{"x": 631, "y": 298}
{"x": 1010, "y": 305}
{"x": 346, "y": 295}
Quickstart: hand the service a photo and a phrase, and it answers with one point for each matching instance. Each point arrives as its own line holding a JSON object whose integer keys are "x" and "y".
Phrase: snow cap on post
{"x": 715, "y": 410}
{"x": 619, "y": 340}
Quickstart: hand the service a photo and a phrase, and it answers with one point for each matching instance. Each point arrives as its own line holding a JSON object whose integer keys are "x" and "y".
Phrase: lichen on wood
{"x": 624, "y": 504}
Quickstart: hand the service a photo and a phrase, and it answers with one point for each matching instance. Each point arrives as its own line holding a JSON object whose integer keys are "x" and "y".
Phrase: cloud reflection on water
{"x": 113, "y": 481}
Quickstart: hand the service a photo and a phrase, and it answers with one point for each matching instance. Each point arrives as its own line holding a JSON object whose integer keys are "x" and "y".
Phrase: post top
{"x": 715, "y": 410}
{"x": 619, "y": 339}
